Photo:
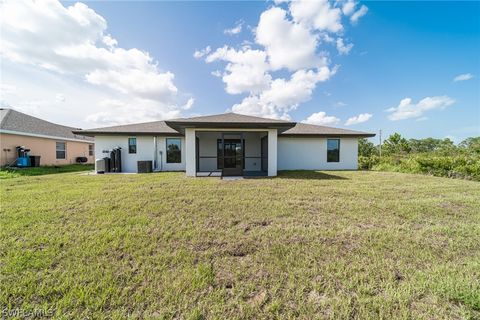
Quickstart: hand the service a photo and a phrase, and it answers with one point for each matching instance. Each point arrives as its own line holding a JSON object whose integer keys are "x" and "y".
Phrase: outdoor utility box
{"x": 100, "y": 166}
{"x": 35, "y": 161}
{"x": 81, "y": 159}
{"x": 144, "y": 166}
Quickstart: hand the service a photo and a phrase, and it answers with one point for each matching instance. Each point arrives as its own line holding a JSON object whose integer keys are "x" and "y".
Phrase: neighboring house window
{"x": 333, "y": 150}
{"x": 174, "y": 151}
{"x": 90, "y": 149}
{"x": 132, "y": 145}
{"x": 61, "y": 152}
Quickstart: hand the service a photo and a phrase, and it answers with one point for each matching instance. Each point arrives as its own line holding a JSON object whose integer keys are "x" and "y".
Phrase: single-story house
{"x": 54, "y": 143}
{"x": 229, "y": 144}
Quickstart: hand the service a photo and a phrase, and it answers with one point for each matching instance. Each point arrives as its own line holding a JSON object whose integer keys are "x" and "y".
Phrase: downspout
{"x": 155, "y": 163}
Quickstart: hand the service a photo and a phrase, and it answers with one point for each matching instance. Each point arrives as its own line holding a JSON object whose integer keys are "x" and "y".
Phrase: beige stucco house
{"x": 54, "y": 143}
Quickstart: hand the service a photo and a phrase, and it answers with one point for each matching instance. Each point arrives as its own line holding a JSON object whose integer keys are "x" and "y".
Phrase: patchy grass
{"x": 360, "y": 245}
{"x": 13, "y": 172}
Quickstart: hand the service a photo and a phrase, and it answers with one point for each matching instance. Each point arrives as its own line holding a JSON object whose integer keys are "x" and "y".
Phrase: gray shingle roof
{"x": 176, "y": 126}
{"x": 303, "y": 129}
{"x": 147, "y": 128}
{"x": 13, "y": 120}
{"x": 229, "y": 118}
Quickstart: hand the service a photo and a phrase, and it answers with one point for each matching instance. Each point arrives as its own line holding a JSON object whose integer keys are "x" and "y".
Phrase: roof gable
{"x": 229, "y": 118}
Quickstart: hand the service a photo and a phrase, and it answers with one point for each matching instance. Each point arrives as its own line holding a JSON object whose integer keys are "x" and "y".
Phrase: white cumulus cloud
{"x": 246, "y": 70}
{"x": 288, "y": 44}
{"x": 282, "y": 67}
{"x": 363, "y": 117}
{"x": 342, "y": 47}
{"x": 321, "y": 119}
{"x": 201, "y": 53}
{"x": 463, "y": 77}
{"x": 407, "y": 109}
{"x": 73, "y": 40}
{"x": 235, "y": 30}
{"x": 284, "y": 95}
{"x": 320, "y": 14}
{"x": 132, "y": 111}
{"x": 358, "y": 14}
{"x": 348, "y": 7}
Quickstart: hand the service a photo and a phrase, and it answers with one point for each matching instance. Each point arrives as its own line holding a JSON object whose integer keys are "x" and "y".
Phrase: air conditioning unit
{"x": 100, "y": 166}
{"x": 144, "y": 166}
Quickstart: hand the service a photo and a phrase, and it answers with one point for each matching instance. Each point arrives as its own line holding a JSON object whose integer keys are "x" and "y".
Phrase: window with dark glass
{"x": 90, "y": 149}
{"x": 61, "y": 151}
{"x": 333, "y": 150}
{"x": 174, "y": 151}
{"x": 132, "y": 145}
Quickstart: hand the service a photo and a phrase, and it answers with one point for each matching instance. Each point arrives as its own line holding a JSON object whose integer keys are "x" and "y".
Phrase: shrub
{"x": 367, "y": 163}
{"x": 454, "y": 166}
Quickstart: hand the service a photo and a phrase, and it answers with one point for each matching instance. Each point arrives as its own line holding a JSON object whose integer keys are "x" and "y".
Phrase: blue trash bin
{"x": 23, "y": 162}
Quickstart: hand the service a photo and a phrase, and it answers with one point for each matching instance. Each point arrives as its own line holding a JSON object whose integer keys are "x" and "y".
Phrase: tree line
{"x": 439, "y": 157}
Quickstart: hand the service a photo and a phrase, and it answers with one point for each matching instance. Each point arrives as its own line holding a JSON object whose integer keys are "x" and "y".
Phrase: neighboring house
{"x": 55, "y": 144}
{"x": 230, "y": 144}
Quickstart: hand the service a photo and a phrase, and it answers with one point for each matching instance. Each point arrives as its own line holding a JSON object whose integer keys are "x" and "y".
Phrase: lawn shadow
{"x": 308, "y": 175}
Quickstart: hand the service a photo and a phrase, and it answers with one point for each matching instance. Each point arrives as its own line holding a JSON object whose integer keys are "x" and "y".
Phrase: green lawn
{"x": 14, "y": 172}
{"x": 309, "y": 245}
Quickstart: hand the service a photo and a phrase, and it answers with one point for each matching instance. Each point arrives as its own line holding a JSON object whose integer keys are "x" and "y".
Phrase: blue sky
{"x": 398, "y": 76}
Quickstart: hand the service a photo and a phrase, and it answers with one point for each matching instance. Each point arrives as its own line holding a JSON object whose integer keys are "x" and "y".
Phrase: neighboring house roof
{"x": 176, "y": 127}
{"x": 303, "y": 129}
{"x": 146, "y": 128}
{"x": 14, "y": 122}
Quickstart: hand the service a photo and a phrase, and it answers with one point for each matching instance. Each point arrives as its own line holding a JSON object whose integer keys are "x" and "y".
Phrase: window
{"x": 333, "y": 150}
{"x": 132, "y": 145}
{"x": 174, "y": 151}
{"x": 90, "y": 149}
{"x": 61, "y": 152}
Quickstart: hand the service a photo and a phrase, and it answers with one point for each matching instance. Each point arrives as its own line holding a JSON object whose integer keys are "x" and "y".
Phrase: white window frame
{"x": 136, "y": 145}
{"x": 339, "y": 143}
{"x": 64, "y": 150}
{"x": 166, "y": 149}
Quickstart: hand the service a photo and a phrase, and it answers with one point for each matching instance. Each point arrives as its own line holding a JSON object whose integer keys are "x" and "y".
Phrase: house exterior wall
{"x": 286, "y": 153}
{"x": 190, "y": 153}
{"x": 162, "y": 164}
{"x": 295, "y": 153}
{"x": 272, "y": 152}
{"x": 43, "y": 147}
{"x": 145, "y": 151}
